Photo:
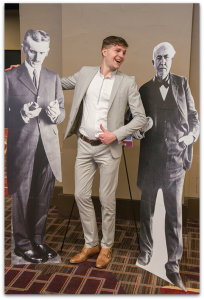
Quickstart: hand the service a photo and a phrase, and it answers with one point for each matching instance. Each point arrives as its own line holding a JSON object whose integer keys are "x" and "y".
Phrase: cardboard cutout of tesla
{"x": 34, "y": 104}
{"x": 166, "y": 152}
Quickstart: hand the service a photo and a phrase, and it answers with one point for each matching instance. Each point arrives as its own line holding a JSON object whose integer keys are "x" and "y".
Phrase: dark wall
{"x": 11, "y": 6}
{"x": 12, "y": 57}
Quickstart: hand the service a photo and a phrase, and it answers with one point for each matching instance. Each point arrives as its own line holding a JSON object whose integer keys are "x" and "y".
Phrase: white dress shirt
{"x": 31, "y": 69}
{"x": 164, "y": 90}
{"x": 25, "y": 118}
{"x": 95, "y": 105}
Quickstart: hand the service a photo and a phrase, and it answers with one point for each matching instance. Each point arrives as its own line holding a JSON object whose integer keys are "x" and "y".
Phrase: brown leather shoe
{"x": 85, "y": 254}
{"x": 104, "y": 258}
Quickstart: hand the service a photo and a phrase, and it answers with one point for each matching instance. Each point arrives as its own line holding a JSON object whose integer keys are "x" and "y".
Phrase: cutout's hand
{"x": 107, "y": 137}
{"x": 186, "y": 140}
{"x": 31, "y": 110}
{"x": 53, "y": 110}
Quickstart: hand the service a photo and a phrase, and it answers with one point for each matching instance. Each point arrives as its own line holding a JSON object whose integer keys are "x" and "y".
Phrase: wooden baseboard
{"x": 124, "y": 207}
{"x": 57, "y": 190}
{"x": 193, "y": 205}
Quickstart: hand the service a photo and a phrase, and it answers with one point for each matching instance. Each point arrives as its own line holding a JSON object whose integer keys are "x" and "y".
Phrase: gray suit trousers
{"x": 31, "y": 202}
{"x": 172, "y": 187}
{"x": 88, "y": 159}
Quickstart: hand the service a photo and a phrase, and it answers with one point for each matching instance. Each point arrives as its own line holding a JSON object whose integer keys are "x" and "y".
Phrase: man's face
{"x": 35, "y": 52}
{"x": 162, "y": 62}
{"x": 114, "y": 56}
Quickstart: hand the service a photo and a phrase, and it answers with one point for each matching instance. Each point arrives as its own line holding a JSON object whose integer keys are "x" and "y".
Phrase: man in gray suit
{"x": 97, "y": 117}
{"x": 34, "y": 104}
{"x": 166, "y": 152}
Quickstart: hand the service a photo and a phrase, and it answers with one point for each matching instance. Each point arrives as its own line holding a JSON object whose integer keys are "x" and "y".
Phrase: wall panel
{"x": 191, "y": 185}
{"x": 12, "y": 30}
{"x": 84, "y": 26}
{"x": 77, "y": 31}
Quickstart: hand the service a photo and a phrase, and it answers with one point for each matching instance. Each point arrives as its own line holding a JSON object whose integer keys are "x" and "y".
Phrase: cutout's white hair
{"x": 165, "y": 45}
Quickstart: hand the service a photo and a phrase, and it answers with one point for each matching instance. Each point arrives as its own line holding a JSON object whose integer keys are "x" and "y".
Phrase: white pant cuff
{"x": 91, "y": 245}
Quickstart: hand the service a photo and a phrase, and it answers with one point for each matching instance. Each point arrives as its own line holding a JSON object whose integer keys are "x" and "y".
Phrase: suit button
{"x": 38, "y": 96}
{"x": 166, "y": 140}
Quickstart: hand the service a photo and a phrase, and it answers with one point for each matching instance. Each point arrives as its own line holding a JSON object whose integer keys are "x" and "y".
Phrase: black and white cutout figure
{"x": 165, "y": 154}
{"x": 34, "y": 104}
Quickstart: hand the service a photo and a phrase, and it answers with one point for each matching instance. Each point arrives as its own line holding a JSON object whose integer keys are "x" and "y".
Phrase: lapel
{"x": 117, "y": 82}
{"x": 25, "y": 78}
{"x": 83, "y": 86}
{"x": 175, "y": 87}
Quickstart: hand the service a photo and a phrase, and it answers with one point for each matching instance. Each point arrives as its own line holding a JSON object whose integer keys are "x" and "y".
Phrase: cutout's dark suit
{"x": 33, "y": 153}
{"x": 163, "y": 161}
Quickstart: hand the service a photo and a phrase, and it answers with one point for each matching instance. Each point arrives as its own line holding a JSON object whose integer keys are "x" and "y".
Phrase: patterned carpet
{"x": 120, "y": 277}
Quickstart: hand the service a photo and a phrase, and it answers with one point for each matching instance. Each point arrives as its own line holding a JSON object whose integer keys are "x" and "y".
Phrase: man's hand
{"x": 31, "y": 113}
{"x": 53, "y": 110}
{"x": 107, "y": 137}
{"x": 186, "y": 140}
{"x": 139, "y": 134}
{"x": 11, "y": 67}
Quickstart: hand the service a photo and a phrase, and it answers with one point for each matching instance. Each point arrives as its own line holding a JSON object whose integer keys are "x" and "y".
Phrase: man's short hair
{"x": 113, "y": 40}
{"x": 36, "y": 35}
{"x": 165, "y": 45}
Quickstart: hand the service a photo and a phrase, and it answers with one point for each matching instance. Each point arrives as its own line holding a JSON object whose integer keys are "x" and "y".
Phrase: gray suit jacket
{"x": 23, "y": 138}
{"x": 124, "y": 92}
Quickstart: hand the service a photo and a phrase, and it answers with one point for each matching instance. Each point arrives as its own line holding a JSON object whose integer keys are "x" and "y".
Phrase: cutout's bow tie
{"x": 164, "y": 82}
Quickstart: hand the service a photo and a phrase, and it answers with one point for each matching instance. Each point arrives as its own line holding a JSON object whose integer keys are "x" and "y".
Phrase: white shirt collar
{"x": 167, "y": 78}
{"x": 31, "y": 69}
{"x": 111, "y": 75}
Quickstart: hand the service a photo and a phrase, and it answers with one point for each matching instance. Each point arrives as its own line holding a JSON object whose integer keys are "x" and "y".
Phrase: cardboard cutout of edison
{"x": 34, "y": 104}
{"x": 166, "y": 151}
